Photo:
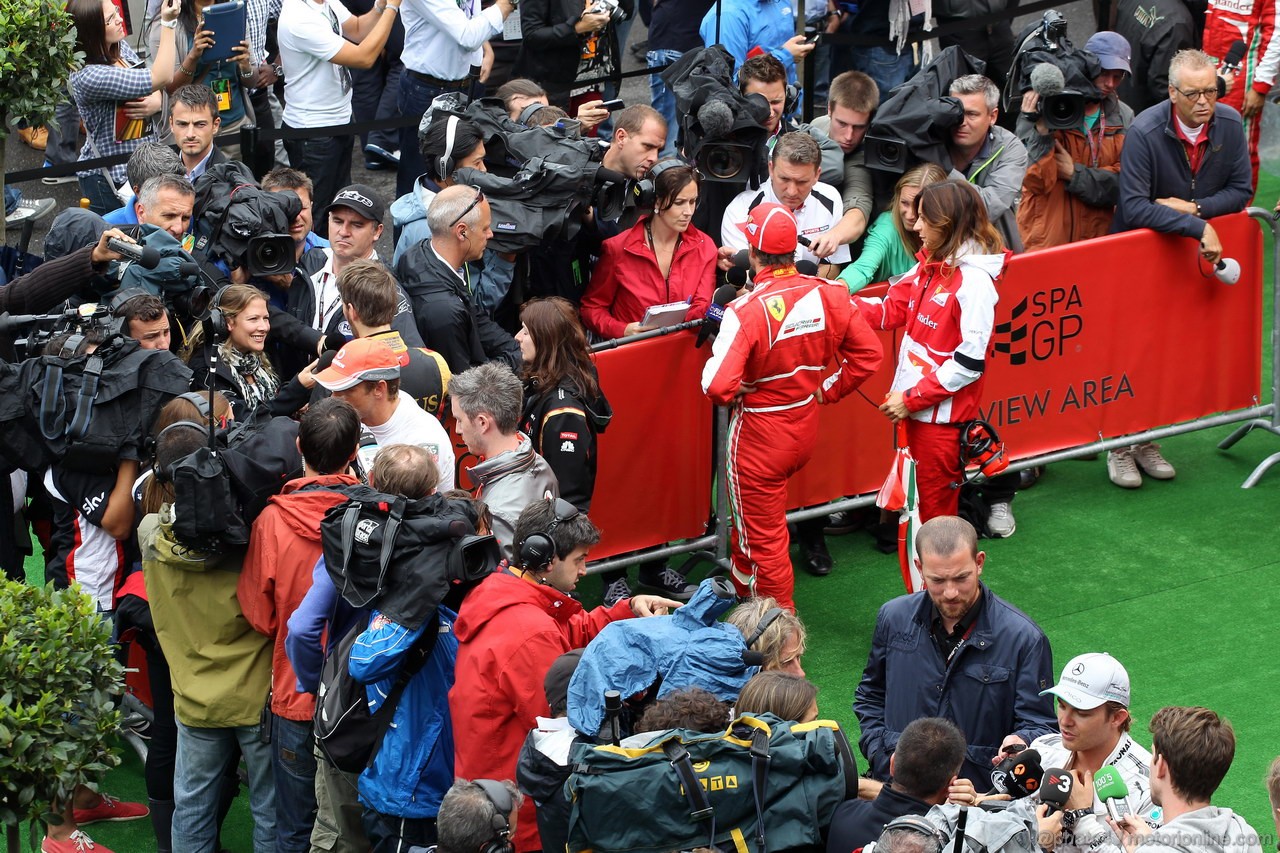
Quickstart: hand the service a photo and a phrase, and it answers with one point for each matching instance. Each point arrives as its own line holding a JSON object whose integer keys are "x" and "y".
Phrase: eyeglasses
{"x": 479, "y": 198}
{"x": 1208, "y": 94}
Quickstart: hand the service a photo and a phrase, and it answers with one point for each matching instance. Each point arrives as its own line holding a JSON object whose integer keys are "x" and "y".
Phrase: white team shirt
{"x": 818, "y": 215}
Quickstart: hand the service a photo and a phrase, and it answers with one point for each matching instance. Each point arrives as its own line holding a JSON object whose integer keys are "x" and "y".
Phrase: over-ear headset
{"x": 792, "y": 101}
{"x": 539, "y": 549}
{"x": 529, "y": 111}
{"x": 980, "y": 445}
{"x": 202, "y": 406}
{"x": 500, "y": 798}
{"x": 917, "y": 823}
{"x": 645, "y": 191}
{"x": 773, "y": 614}
{"x": 445, "y": 164}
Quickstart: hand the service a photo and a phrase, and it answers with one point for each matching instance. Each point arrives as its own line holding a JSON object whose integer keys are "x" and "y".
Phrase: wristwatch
{"x": 279, "y": 69}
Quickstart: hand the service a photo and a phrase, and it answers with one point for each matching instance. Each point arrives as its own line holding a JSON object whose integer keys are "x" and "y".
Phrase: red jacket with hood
{"x": 283, "y": 549}
{"x": 509, "y": 633}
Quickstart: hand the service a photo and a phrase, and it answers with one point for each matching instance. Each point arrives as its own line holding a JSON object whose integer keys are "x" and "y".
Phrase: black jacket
{"x": 857, "y": 823}
{"x": 551, "y": 48}
{"x": 45, "y": 288}
{"x": 446, "y": 318}
{"x": 563, "y": 426}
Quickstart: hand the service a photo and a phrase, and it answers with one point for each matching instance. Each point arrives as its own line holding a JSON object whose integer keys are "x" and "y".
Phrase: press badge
{"x": 222, "y": 90}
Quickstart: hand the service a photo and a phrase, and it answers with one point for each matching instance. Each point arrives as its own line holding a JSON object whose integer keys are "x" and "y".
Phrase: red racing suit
{"x": 946, "y": 314}
{"x": 1255, "y": 23}
{"x": 768, "y": 363}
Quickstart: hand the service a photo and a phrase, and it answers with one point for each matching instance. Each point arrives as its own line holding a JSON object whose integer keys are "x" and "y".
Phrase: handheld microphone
{"x": 738, "y": 274}
{"x": 724, "y": 294}
{"x": 334, "y": 341}
{"x": 1227, "y": 271}
{"x": 1025, "y": 774}
{"x": 806, "y": 268}
{"x": 145, "y": 256}
{"x": 1055, "y": 788}
{"x": 1109, "y": 785}
{"x": 1231, "y": 62}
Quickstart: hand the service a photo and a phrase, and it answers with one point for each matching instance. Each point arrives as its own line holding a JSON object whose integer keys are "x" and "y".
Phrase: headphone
{"x": 918, "y": 824}
{"x": 792, "y": 101}
{"x": 445, "y": 164}
{"x": 529, "y": 111}
{"x": 539, "y": 549}
{"x": 980, "y": 445}
{"x": 645, "y": 191}
{"x": 773, "y": 614}
{"x": 500, "y": 798}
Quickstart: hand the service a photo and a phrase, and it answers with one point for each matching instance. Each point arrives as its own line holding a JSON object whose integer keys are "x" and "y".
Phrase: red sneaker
{"x": 109, "y": 809}
{"x": 77, "y": 843}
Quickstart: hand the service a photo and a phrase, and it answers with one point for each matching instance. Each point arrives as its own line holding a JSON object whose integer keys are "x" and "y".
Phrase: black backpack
{"x": 345, "y": 730}
{"x": 85, "y": 412}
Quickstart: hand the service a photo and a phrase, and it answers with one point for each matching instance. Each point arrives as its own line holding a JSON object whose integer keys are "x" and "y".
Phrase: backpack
{"x": 219, "y": 490}
{"x": 763, "y": 784}
{"x": 403, "y": 556}
{"x": 85, "y": 412}
{"x": 348, "y": 734}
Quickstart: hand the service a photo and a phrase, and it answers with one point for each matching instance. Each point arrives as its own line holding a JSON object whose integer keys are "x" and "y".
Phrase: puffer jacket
{"x": 562, "y": 423}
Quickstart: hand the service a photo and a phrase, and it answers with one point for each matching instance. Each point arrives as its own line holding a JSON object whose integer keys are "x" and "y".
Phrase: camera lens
{"x": 890, "y": 154}
{"x": 723, "y": 162}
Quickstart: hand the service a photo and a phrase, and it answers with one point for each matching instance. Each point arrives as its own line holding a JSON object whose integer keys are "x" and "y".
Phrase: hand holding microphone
{"x": 724, "y": 294}
{"x": 1111, "y": 789}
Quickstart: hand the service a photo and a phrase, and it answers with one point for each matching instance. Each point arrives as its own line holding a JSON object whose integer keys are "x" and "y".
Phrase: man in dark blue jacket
{"x": 957, "y": 651}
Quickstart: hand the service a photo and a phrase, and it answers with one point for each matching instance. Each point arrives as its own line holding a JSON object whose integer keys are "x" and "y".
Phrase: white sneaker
{"x": 28, "y": 209}
{"x": 1123, "y": 468}
{"x": 1151, "y": 462}
{"x": 1000, "y": 524}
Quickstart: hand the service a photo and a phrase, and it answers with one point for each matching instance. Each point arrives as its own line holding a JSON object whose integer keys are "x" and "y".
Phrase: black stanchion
{"x": 249, "y": 138}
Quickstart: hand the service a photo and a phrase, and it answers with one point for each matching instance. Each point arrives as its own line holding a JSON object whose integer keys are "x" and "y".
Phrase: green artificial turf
{"x": 1178, "y": 580}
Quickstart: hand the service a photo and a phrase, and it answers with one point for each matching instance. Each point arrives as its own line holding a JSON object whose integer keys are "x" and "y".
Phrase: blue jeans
{"x": 888, "y": 68}
{"x": 203, "y": 756}
{"x": 11, "y": 198}
{"x": 664, "y": 100}
{"x": 293, "y": 762}
{"x": 102, "y": 198}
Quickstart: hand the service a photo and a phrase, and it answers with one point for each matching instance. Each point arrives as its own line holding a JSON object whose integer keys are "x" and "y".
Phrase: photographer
{"x": 566, "y": 40}
{"x": 56, "y": 281}
{"x": 1072, "y": 185}
{"x": 167, "y": 202}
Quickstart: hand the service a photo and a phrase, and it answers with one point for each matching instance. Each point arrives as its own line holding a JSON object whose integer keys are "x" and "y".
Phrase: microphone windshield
{"x": 1234, "y": 54}
{"x": 806, "y": 268}
{"x": 1025, "y": 774}
{"x": 1055, "y": 788}
{"x": 724, "y": 294}
{"x": 1047, "y": 80}
{"x": 716, "y": 119}
{"x": 1109, "y": 784}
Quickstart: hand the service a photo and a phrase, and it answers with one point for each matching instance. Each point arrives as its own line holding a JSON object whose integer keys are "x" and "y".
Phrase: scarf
{"x": 254, "y": 378}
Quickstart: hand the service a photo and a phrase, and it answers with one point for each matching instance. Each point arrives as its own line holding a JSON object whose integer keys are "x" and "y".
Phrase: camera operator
{"x": 145, "y": 319}
{"x": 54, "y": 282}
{"x": 444, "y": 140}
{"x": 988, "y": 156}
{"x": 304, "y": 239}
{"x": 764, "y": 75}
{"x": 1072, "y": 185}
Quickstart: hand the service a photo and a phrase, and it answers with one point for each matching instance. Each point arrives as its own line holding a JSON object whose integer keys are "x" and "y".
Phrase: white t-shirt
{"x": 819, "y": 213}
{"x": 409, "y": 424}
{"x": 317, "y": 92}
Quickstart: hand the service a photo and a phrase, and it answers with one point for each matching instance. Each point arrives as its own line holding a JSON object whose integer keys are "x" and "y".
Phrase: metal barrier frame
{"x": 714, "y": 547}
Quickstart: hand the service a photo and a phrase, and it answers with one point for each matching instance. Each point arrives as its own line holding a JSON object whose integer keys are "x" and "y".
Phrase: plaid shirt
{"x": 98, "y": 89}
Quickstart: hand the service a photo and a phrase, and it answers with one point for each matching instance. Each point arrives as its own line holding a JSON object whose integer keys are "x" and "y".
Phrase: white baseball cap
{"x": 1091, "y": 680}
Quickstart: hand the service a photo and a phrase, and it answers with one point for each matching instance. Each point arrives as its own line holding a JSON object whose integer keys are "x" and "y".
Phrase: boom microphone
{"x": 1055, "y": 788}
{"x": 1025, "y": 774}
{"x": 1109, "y": 785}
{"x": 1231, "y": 62}
{"x": 144, "y": 256}
{"x": 1047, "y": 80}
{"x": 716, "y": 119}
{"x": 724, "y": 294}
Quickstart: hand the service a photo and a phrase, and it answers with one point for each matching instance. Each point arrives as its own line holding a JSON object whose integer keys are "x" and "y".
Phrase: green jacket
{"x": 882, "y": 255}
{"x": 220, "y": 666}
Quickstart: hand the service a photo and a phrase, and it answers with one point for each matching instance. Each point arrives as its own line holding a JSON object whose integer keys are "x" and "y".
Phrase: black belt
{"x": 462, "y": 85}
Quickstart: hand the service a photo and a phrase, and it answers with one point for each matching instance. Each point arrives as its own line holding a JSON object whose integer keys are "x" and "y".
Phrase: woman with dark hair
{"x": 663, "y": 258}
{"x": 945, "y": 306}
{"x": 564, "y": 408}
{"x": 892, "y": 242}
{"x": 115, "y": 92}
{"x": 242, "y": 370}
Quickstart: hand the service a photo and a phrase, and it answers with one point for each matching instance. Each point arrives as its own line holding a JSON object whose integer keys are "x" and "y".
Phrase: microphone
{"x": 724, "y": 294}
{"x": 326, "y": 359}
{"x": 1025, "y": 774}
{"x": 334, "y": 341}
{"x": 716, "y": 119}
{"x": 1047, "y": 80}
{"x": 806, "y": 268}
{"x": 1109, "y": 785}
{"x": 145, "y": 256}
{"x": 1055, "y": 788}
{"x": 1227, "y": 271}
{"x": 1231, "y": 62}
{"x": 738, "y": 273}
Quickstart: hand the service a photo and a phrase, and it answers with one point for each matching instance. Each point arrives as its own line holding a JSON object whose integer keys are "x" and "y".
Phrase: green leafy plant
{"x": 37, "y": 54}
{"x": 58, "y": 720}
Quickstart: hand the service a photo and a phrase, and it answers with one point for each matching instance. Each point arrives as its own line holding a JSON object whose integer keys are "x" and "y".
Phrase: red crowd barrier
{"x": 1097, "y": 339}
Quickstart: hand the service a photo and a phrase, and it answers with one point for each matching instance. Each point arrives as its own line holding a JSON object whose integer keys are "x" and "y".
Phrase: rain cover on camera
{"x": 234, "y": 209}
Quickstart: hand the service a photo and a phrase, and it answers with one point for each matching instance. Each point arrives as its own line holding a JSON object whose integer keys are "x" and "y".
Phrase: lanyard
{"x": 960, "y": 644}
{"x": 974, "y": 177}
{"x": 1095, "y": 143}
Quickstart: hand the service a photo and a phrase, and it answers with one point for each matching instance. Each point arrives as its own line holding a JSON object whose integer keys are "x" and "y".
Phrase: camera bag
{"x": 765, "y": 783}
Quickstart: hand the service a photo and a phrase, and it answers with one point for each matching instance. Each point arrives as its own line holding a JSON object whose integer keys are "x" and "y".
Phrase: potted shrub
{"x": 58, "y": 718}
